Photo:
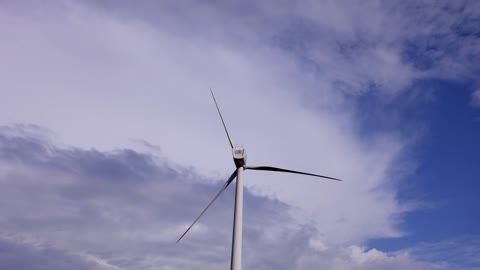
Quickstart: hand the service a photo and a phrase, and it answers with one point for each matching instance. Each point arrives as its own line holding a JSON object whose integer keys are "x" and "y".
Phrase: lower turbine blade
{"x": 230, "y": 179}
{"x": 275, "y": 169}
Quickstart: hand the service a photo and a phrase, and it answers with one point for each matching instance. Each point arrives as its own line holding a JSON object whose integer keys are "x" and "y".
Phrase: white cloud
{"x": 475, "y": 101}
{"x": 100, "y": 80}
{"x": 79, "y": 209}
{"x": 100, "y": 77}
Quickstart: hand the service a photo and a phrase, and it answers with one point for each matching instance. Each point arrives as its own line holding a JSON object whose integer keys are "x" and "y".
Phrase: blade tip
{"x": 184, "y": 234}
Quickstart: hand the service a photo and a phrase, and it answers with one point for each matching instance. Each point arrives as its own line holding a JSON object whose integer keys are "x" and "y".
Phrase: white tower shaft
{"x": 236, "y": 261}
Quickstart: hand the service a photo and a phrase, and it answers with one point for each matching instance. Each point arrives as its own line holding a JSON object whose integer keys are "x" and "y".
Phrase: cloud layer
{"x": 115, "y": 79}
{"x": 289, "y": 77}
{"x": 86, "y": 209}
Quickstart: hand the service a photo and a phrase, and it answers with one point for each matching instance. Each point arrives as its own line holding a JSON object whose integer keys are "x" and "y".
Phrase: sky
{"x": 110, "y": 143}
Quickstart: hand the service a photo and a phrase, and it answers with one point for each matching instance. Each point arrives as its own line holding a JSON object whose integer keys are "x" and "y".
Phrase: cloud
{"x": 119, "y": 209}
{"x": 116, "y": 77}
{"x": 59, "y": 210}
{"x": 22, "y": 257}
{"x": 475, "y": 100}
{"x": 350, "y": 46}
{"x": 287, "y": 79}
{"x": 459, "y": 252}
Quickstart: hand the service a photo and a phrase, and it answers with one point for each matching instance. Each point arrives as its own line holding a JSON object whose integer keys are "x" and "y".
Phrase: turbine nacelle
{"x": 239, "y": 156}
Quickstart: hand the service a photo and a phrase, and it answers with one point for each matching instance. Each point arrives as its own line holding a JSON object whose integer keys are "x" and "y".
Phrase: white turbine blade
{"x": 224, "y": 126}
{"x": 234, "y": 174}
{"x": 275, "y": 169}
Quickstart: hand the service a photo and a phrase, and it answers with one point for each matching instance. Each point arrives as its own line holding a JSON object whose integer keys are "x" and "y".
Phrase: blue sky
{"x": 447, "y": 176}
{"x": 110, "y": 143}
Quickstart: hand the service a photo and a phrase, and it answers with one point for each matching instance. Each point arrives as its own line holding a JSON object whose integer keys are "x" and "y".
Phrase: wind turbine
{"x": 240, "y": 160}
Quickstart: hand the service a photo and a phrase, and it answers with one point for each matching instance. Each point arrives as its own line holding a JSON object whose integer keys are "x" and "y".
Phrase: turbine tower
{"x": 240, "y": 160}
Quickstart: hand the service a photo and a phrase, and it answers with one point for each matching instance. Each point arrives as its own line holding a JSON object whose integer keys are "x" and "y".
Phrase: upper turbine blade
{"x": 274, "y": 169}
{"x": 225, "y": 127}
{"x": 234, "y": 174}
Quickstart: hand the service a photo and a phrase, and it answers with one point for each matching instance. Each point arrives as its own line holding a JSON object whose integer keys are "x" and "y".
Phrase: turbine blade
{"x": 230, "y": 179}
{"x": 275, "y": 169}
{"x": 224, "y": 126}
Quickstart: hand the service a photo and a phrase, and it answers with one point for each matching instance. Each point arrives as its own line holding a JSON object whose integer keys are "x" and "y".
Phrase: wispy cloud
{"x": 459, "y": 252}
{"x": 475, "y": 98}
